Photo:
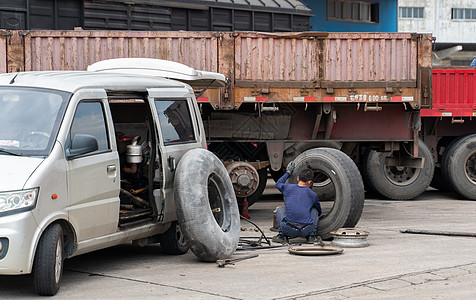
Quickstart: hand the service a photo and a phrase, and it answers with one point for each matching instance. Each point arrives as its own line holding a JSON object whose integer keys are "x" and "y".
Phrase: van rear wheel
{"x": 48, "y": 264}
{"x": 173, "y": 241}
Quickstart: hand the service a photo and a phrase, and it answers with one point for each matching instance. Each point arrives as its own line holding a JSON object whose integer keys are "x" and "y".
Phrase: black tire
{"x": 263, "y": 178}
{"x": 206, "y": 205}
{"x": 398, "y": 183}
{"x": 321, "y": 185}
{"x": 440, "y": 182}
{"x": 48, "y": 264}
{"x": 459, "y": 166}
{"x": 349, "y": 189}
{"x": 173, "y": 241}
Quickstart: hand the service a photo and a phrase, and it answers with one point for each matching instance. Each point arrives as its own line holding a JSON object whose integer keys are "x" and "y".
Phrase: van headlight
{"x": 17, "y": 201}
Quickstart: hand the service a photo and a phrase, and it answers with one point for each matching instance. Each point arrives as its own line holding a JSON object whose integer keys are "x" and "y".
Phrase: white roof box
{"x": 160, "y": 68}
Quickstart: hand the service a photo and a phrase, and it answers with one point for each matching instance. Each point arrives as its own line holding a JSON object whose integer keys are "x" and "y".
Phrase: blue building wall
{"x": 388, "y": 15}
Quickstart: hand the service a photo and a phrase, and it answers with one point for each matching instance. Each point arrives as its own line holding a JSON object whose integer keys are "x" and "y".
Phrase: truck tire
{"x": 206, "y": 205}
{"x": 459, "y": 166}
{"x": 48, "y": 264}
{"x": 322, "y": 185}
{"x": 398, "y": 183}
{"x": 173, "y": 241}
{"x": 349, "y": 189}
{"x": 440, "y": 182}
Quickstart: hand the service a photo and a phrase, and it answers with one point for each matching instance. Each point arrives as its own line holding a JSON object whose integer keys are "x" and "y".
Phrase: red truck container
{"x": 357, "y": 93}
{"x": 449, "y": 129}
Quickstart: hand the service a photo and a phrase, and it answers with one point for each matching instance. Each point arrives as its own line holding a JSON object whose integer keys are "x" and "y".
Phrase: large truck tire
{"x": 398, "y": 183}
{"x": 206, "y": 205}
{"x": 48, "y": 263}
{"x": 440, "y": 182}
{"x": 459, "y": 166}
{"x": 349, "y": 189}
{"x": 322, "y": 184}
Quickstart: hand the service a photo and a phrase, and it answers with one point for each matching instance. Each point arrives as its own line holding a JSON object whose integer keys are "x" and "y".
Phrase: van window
{"x": 89, "y": 119}
{"x": 175, "y": 121}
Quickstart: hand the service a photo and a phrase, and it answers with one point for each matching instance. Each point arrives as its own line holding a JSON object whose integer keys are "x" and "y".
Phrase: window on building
{"x": 356, "y": 11}
{"x": 463, "y": 13}
{"x": 409, "y": 12}
{"x": 461, "y": 62}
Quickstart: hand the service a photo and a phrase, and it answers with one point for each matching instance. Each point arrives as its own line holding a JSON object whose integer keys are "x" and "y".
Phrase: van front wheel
{"x": 48, "y": 264}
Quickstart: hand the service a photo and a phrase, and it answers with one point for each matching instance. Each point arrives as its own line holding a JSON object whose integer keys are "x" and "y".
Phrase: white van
{"x": 92, "y": 159}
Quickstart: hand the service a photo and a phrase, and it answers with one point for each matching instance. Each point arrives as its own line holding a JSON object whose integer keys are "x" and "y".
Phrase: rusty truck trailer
{"x": 289, "y": 93}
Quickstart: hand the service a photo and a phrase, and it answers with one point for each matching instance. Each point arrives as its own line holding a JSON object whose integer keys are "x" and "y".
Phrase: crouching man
{"x": 300, "y": 213}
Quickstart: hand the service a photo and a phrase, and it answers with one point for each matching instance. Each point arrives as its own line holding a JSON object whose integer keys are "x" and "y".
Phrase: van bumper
{"x": 18, "y": 239}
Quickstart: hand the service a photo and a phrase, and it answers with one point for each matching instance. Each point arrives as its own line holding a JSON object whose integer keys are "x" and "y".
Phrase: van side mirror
{"x": 82, "y": 144}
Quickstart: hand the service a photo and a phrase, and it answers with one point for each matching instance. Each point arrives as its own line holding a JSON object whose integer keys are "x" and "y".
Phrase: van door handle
{"x": 172, "y": 163}
{"x": 111, "y": 168}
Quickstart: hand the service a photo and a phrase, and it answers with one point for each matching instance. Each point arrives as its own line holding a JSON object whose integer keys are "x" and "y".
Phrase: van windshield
{"x": 29, "y": 120}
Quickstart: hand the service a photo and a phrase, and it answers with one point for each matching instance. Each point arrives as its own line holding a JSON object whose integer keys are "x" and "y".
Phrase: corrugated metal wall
{"x": 257, "y": 57}
{"x": 75, "y": 50}
{"x": 454, "y": 88}
{"x": 370, "y": 57}
{"x": 3, "y": 53}
{"x": 275, "y": 58}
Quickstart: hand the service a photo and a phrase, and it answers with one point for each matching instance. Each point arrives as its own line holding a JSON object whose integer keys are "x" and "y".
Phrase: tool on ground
{"x": 255, "y": 244}
{"x": 231, "y": 261}
{"x": 435, "y": 232}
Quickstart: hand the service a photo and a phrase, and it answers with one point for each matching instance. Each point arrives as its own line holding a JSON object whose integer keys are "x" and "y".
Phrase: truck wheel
{"x": 440, "y": 182}
{"x": 398, "y": 183}
{"x": 346, "y": 209}
{"x": 48, "y": 264}
{"x": 173, "y": 241}
{"x": 206, "y": 205}
{"x": 263, "y": 178}
{"x": 459, "y": 166}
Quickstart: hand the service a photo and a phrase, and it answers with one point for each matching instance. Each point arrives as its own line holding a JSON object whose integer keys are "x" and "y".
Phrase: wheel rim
{"x": 320, "y": 179}
{"x": 179, "y": 237}
{"x": 401, "y": 176}
{"x": 58, "y": 260}
{"x": 216, "y": 200}
{"x": 470, "y": 167}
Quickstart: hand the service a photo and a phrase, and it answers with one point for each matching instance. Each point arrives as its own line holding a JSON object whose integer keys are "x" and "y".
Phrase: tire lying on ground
{"x": 349, "y": 189}
{"x": 206, "y": 205}
{"x": 398, "y": 183}
{"x": 459, "y": 166}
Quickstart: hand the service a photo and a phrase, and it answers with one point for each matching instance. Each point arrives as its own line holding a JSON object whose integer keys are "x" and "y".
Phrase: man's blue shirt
{"x": 298, "y": 200}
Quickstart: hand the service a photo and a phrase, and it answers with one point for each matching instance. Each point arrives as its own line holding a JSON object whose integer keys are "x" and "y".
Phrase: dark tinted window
{"x": 175, "y": 122}
{"x": 89, "y": 119}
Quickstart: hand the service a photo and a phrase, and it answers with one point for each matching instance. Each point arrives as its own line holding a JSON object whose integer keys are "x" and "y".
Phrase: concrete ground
{"x": 395, "y": 266}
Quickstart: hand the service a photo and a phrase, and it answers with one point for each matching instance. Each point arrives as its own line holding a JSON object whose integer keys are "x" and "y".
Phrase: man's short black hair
{"x": 306, "y": 175}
